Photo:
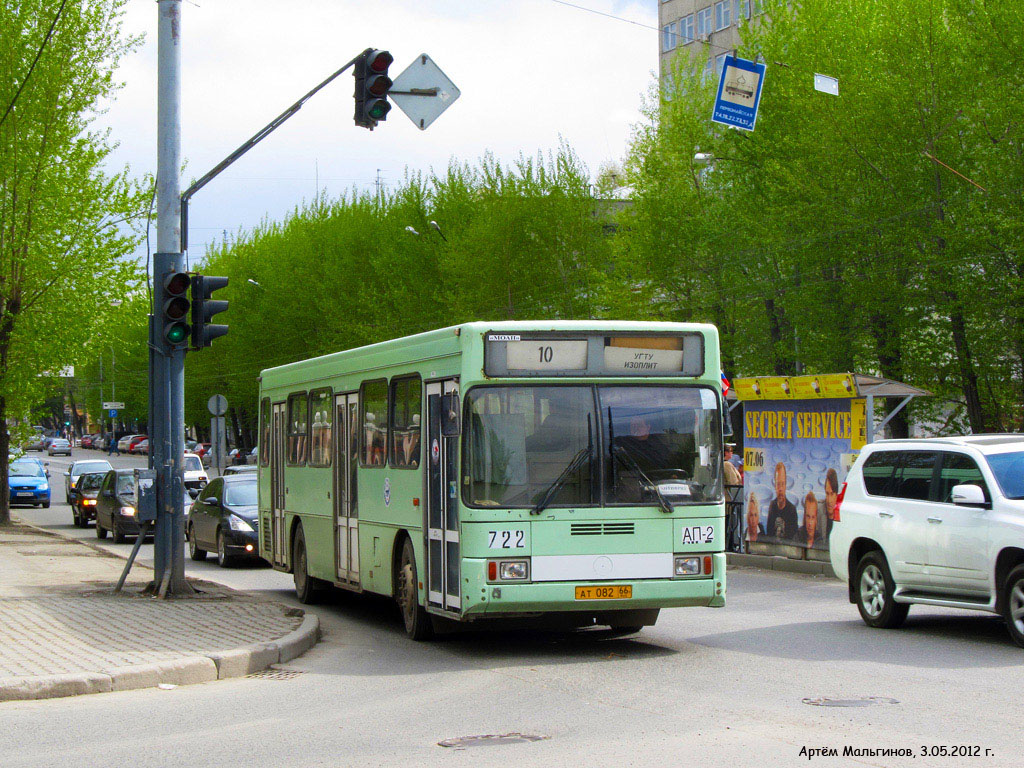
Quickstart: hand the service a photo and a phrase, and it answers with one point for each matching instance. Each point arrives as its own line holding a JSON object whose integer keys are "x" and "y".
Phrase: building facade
{"x": 689, "y": 25}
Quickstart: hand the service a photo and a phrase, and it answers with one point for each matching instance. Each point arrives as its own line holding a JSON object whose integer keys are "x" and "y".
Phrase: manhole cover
{"x": 867, "y": 701}
{"x": 490, "y": 740}
{"x": 276, "y": 674}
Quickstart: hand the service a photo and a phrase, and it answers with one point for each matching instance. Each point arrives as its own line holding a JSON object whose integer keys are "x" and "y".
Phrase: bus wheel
{"x": 417, "y": 622}
{"x": 307, "y": 588}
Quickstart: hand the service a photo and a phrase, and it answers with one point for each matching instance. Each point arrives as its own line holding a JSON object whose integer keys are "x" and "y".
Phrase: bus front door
{"x": 346, "y": 513}
{"x": 279, "y": 536}
{"x": 443, "y": 550}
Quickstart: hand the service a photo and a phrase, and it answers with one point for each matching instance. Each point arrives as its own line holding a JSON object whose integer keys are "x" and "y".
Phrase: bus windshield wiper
{"x": 620, "y": 452}
{"x": 574, "y": 464}
{"x": 584, "y": 454}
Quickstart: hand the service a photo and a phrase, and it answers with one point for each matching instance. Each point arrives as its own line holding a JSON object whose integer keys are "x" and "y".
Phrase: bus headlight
{"x": 687, "y": 566}
{"x": 508, "y": 570}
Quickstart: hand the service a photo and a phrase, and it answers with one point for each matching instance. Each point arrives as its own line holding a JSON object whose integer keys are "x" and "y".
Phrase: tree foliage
{"x": 62, "y": 213}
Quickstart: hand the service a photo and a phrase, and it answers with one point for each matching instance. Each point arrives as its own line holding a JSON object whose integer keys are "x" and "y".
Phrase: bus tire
{"x": 417, "y": 621}
{"x": 308, "y": 589}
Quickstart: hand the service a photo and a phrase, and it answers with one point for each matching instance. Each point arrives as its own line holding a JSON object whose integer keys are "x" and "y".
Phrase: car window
{"x": 240, "y": 494}
{"x": 193, "y": 464}
{"x": 913, "y": 478}
{"x": 213, "y": 489}
{"x": 81, "y": 467}
{"x": 25, "y": 469}
{"x": 1009, "y": 471}
{"x": 125, "y": 484}
{"x": 91, "y": 481}
{"x": 958, "y": 469}
{"x": 877, "y": 471}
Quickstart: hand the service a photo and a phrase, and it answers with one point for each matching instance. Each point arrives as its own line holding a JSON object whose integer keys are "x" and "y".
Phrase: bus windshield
{"x": 646, "y": 445}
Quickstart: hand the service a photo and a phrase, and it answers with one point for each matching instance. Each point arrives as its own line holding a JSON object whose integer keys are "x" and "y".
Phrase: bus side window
{"x": 406, "y": 402}
{"x": 374, "y": 432}
{"x": 298, "y": 427}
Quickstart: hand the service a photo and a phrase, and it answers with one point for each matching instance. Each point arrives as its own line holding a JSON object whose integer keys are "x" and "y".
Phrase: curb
{"x": 784, "y": 564}
{"x": 217, "y": 665}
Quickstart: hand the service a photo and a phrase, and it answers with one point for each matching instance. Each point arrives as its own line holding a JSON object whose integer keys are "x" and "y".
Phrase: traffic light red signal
{"x": 372, "y": 87}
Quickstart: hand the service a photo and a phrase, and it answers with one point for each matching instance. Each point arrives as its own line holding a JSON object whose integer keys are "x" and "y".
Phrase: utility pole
{"x": 167, "y": 361}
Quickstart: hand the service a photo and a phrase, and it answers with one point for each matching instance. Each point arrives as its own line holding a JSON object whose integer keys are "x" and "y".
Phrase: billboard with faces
{"x": 796, "y": 456}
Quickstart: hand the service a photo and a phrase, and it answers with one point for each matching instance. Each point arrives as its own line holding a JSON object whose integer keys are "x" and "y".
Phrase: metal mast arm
{"x": 255, "y": 139}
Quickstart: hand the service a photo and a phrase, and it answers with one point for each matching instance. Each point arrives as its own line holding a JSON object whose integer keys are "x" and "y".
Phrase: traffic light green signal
{"x": 176, "y": 308}
{"x": 372, "y": 87}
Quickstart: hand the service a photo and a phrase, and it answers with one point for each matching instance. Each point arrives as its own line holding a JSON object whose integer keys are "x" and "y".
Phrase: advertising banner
{"x": 796, "y": 456}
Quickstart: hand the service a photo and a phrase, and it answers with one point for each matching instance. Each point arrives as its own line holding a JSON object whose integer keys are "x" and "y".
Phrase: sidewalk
{"x": 63, "y": 632}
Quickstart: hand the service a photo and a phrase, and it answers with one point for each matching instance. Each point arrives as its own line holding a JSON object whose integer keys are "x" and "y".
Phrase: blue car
{"x": 29, "y": 482}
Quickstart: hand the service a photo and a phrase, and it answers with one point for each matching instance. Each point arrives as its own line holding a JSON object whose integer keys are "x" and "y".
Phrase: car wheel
{"x": 307, "y": 588}
{"x": 416, "y": 619}
{"x": 1013, "y": 604}
{"x": 67, "y": 499}
{"x": 630, "y": 629}
{"x": 46, "y": 505}
{"x": 101, "y": 532}
{"x": 194, "y": 550}
{"x": 76, "y": 518}
{"x": 223, "y": 558}
{"x": 116, "y": 532}
{"x": 874, "y": 589}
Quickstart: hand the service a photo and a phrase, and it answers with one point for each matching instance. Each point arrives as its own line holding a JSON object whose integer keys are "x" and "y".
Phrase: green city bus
{"x": 569, "y": 471}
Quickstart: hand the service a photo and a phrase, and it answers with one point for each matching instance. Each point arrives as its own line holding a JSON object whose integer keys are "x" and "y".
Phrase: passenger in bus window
{"x": 649, "y": 451}
{"x": 411, "y": 442}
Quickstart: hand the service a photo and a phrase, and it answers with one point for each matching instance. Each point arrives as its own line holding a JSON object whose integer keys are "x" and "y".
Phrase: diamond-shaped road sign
{"x": 423, "y": 91}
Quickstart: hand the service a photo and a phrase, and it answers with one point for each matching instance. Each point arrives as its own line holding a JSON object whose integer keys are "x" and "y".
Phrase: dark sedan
{"x": 83, "y": 503}
{"x": 224, "y": 519}
{"x": 115, "y": 506}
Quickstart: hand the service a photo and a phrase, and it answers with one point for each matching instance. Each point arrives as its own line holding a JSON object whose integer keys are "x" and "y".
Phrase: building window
{"x": 723, "y": 16}
{"x": 742, "y": 9}
{"x": 374, "y": 434}
{"x": 704, "y": 22}
{"x": 668, "y": 37}
{"x": 298, "y": 423}
{"x": 719, "y": 63}
{"x": 321, "y": 428}
{"x": 406, "y": 405}
{"x": 686, "y": 29}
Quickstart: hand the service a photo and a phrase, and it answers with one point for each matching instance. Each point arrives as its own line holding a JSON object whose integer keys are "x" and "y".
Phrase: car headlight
{"x": 687, "y": 566}
{"x": 238, "y": 524}
{"x": 128, "y": 511}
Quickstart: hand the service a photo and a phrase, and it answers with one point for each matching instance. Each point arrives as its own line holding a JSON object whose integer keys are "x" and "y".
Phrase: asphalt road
{"x": 704, "y": 687}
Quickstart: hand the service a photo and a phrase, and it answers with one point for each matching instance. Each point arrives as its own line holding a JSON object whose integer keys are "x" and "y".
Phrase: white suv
{"x": 937, "y": 521}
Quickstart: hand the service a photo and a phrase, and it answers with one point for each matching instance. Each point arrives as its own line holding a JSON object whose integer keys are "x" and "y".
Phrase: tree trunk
{"x": 968, "y": 376}
{"x": 890, "y": 363}
{"x": 5, "y": 449}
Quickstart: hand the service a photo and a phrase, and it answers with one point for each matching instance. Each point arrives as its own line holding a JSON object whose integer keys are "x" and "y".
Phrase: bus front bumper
{"x": 494, "y": 599}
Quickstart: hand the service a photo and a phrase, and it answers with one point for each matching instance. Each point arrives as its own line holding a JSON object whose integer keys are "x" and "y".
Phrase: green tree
{"x": 62, "y": 214}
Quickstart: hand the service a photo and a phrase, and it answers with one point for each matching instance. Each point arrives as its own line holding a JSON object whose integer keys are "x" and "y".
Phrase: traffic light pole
{"x": 167, "y": 362}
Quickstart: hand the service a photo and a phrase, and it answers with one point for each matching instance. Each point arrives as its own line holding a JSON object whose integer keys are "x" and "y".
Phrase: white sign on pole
{"x": 217, "y": 405}
{"x": 826, "y": 84}
{"x": 113, "y": 406}
{"x": 423, "y": 91}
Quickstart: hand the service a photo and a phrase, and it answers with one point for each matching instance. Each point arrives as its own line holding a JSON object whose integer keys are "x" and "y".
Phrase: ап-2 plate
{"x": 617, "y": 592}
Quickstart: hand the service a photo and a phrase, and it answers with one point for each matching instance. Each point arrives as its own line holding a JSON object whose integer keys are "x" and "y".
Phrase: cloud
{"x": 530, "y": 71}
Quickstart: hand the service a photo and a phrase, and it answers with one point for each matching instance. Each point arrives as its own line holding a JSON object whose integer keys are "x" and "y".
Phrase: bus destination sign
{"x": 547, "y": 355}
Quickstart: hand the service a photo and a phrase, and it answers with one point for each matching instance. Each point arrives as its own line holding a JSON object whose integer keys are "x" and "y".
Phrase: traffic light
{"x": 372, "y": 86}
{"x": 175, "y": 309}
{"x": 204, "y": 308}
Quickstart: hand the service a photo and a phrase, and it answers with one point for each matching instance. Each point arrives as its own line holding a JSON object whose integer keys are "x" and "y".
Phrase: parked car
{"x": 936, "y": 521}
{"x": 240, "y": 469}
{"x": 133, "y": 444}
{"x": 58, "y": 445}
{"x": 83, "y": 505}
{"x": 37, "y": 443}
{"x": 195, "y": 475}
{"x": 141, "y": 447}
{"x": 115, "y": 506}
{"x": 125, "y": 441}
{"x": 86, "y": 441}
{"x": 29, "y": 482}
{"x": 79, "y": 468}
{"x": 225, "y": 519}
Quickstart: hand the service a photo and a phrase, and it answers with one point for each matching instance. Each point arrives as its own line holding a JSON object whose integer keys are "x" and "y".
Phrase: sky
{"x": 531, "y": 73}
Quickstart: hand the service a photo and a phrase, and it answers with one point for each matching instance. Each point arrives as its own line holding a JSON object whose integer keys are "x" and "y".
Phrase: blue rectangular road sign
{"x": 739, "y": 93}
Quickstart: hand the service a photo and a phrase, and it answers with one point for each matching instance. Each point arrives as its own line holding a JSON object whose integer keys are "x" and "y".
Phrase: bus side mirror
{"x": 450, "y": 414}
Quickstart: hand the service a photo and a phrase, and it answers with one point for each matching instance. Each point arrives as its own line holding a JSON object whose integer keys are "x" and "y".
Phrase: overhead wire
{"x": 31, "y": 69}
